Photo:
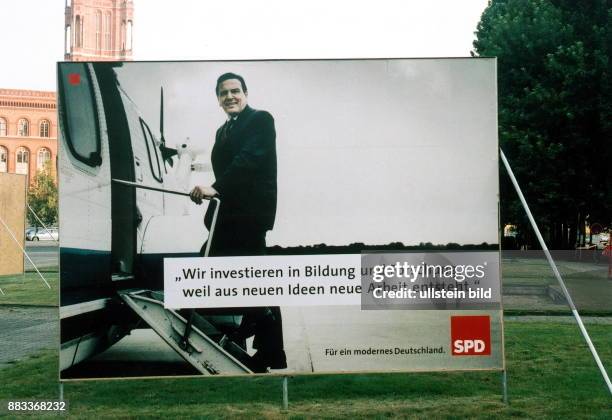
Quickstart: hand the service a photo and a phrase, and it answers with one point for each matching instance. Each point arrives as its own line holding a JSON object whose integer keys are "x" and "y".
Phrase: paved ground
{"x": 142, "y": 353}
{"x": 43, "y": 253}
{"x": 25, "y": 331}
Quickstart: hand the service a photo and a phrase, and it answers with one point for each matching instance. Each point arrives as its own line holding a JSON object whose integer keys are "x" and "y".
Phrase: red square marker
{"x": 74, "y": 78}
{"x": 471, "y": 335}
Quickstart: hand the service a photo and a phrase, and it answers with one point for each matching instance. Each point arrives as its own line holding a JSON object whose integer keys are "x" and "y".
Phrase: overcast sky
{"x": 32, "y": 31}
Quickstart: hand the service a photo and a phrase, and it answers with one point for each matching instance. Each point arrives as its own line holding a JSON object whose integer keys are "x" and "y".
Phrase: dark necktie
{"x": 227, "y": 129}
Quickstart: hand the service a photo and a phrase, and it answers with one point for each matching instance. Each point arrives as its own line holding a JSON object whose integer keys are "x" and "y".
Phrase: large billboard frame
{"x": 89, "y": 165}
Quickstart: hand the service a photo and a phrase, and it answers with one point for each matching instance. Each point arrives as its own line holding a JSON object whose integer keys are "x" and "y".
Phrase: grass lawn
{"x": 29, "y": 289}
{"x": 550, "y": 370}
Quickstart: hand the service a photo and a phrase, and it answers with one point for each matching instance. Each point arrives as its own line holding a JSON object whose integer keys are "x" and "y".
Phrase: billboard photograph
{"x": 278, "y": 217}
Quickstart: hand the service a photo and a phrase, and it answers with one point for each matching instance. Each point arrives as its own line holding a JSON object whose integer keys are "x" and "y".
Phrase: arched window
{"x": 78, "y": 32}
{"x": 123, "y": 36}
{"x": 44, "y": 156}
{"x": 98, "y": 30}
{"x": 128, "y": 35}
{"x": 68, "y": 40}
{"x": 107, "y": 31}
{"x": 23, "y": 127}
{"x": 3, "y": 159}
{"x": 44, "y": 128}
{"x": 2, "y": 127}
{"x": 22, "y": 157}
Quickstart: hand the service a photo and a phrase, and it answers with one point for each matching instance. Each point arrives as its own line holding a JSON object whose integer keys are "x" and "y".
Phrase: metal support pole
{"x": 285, "y": 394}
{"x": 504, "y": 386}
{"x": 568, "y": 297}
{"x": 61, "y": 391}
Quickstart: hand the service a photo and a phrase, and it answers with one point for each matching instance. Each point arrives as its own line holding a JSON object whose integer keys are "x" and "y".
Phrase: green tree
{"x": 554, "y": 110}
{"x": 42, "y": 198}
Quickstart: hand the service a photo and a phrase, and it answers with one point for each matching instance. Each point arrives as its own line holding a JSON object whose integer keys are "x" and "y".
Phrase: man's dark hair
{"x": 227, "y": 76}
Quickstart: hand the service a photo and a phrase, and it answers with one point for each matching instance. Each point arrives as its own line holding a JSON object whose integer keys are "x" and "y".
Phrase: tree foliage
{"x": 42, "y": 199}
{"x": 554, "y": 109}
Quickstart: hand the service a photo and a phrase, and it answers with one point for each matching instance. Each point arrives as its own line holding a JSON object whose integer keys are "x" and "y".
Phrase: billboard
{"x": 307, "y": 216}
{"x": 12, "y": 212}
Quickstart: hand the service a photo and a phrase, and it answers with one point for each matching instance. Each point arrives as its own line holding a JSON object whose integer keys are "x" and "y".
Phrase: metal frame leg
{"x": 504, "y": 386}
{"x": 285, "y": 393}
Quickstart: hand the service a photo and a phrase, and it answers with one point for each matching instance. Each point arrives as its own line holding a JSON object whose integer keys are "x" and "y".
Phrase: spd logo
{"x": 471, "y": 335}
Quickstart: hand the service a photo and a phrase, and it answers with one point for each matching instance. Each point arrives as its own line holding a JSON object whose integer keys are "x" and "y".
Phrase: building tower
{"x": 98, "y": 30}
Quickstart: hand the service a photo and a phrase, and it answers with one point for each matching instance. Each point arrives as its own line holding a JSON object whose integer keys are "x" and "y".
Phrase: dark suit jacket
{"x": 244, "y": 165}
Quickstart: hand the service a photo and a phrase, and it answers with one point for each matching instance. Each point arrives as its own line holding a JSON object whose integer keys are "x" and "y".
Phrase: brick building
{"x": 28, "y": 131}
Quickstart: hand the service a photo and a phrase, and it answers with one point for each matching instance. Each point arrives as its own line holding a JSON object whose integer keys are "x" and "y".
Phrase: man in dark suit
{"x": 244, "y": 164}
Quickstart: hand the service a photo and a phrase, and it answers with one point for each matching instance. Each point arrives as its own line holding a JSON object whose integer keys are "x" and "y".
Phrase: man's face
{"x": 231, "y": 97}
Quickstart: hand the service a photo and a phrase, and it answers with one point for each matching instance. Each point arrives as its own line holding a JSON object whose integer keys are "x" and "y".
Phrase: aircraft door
{"x": 124, "y": 213}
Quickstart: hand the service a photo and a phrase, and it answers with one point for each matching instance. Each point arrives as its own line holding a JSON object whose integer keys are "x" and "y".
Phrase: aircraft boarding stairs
{"x": 192, "y": 335}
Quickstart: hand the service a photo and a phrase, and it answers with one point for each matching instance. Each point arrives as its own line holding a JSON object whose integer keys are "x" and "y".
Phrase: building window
{"x": 44, "y": 156}
{"x": 68, "y": 40}
{"x": 3, "y": 159}
{"x": 107, "y": 31}
{"x": 78, "y": 32}
{"x": 23, "y": 127}
{"x": 98, "y": 30}
{"x": 2, "y": 127}
{"x": 128, "y": 35}
{"x": 44, "y": 128}
{"x": 22, "y": 157}
{"x": 122, "y": 36}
